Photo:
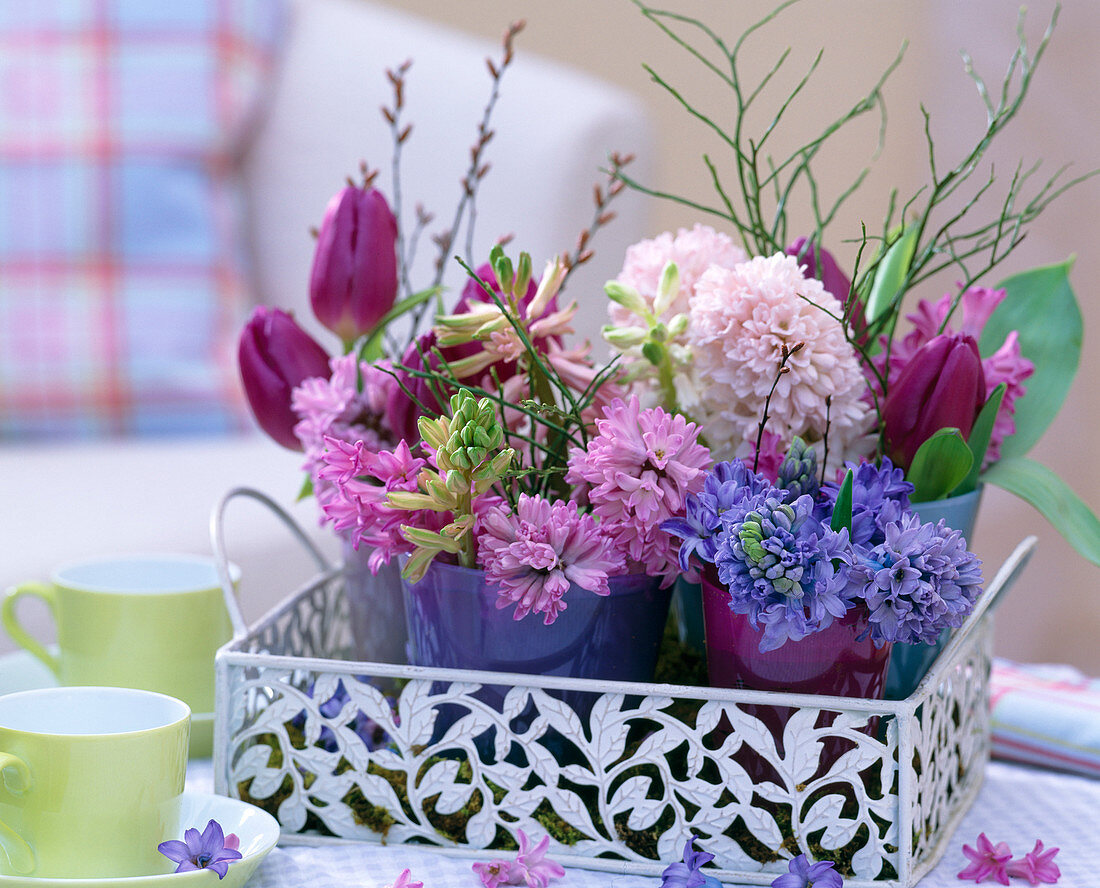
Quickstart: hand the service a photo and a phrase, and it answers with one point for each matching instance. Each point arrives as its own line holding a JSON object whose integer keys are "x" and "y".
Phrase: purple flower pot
{"x": 830, "y": 662}
{"x": 454, "y": 622}
{"x": 376, "y": 608}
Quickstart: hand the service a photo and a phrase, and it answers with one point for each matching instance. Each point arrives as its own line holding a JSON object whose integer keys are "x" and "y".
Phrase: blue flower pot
{"x": 909, "y": 663}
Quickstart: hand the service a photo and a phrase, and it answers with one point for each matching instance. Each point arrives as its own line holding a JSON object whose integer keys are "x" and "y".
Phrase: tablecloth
{"x": 1016, "y": 805}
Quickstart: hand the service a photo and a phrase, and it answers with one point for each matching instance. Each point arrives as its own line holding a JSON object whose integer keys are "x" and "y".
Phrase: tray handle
{"x": 217, "y": 539}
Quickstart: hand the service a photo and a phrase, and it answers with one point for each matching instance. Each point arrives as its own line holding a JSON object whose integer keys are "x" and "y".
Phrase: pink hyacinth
{"x": 636, "y": 472}
{"x": 338, "y": 408}
{"x": 1007, "y": 364}
{"x": 531, "y": 867}
{"x": 538, "y": 551}
{"x": 987, "y": 861}
{"x": 1037, "y": 866}
{"x": 357, "y": 481}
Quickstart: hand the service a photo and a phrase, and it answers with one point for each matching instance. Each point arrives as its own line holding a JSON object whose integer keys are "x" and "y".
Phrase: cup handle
{"x": 20, "y": 854}
{"x": 18, "y": 633}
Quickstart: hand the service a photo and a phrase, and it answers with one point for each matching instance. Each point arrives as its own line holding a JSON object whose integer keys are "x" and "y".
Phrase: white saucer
{"x": 257, "y": 830}
{"x": 20, "y": 671}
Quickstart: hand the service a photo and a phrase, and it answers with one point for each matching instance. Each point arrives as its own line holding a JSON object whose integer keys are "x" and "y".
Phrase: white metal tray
{"x": 618, "y": 774}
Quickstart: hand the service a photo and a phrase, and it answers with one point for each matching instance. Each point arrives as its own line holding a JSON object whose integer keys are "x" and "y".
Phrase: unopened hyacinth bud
{"x": 798, "y": 472}
{"x": 353, "y": 282}
{"x": 623, "y": 337}
{"x": 942, "y": 386}
{"x": 626, "y": 296}
{"x": 475, "y": 431}
{"x": 667, "y": 290}
{"x": 784, "y": 578}
{"x": 275, "y": 356}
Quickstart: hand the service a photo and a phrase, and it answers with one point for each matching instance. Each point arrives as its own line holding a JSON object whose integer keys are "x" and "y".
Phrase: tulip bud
{"x": 353, "y": 282}
{"x": 275, "y": 356}
{"x": 942, "y": 386}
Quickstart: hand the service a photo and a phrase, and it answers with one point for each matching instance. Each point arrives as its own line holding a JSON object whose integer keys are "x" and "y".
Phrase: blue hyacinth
{"x": 777, "y": 561}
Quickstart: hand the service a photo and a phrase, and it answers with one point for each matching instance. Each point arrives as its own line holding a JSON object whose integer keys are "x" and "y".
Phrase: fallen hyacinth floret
{"x": 803, "y": 874}
{"x": 686, "y": 874}
{"x": 405, "y": 881}
{"x": 531, "y": 867}
{"x": 211, "y": 850}
{"x": 1037, "y": 866}
{"x": 987, "y": 861}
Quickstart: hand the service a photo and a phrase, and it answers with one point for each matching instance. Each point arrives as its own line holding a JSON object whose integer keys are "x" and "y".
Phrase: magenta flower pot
{"x": 454, "y": 622}
{"x": 831, "y": 661}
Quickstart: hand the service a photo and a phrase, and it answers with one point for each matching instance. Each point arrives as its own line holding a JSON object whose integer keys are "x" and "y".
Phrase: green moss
{"x": 558, "y": 829}
{"x": 374, "y": 817}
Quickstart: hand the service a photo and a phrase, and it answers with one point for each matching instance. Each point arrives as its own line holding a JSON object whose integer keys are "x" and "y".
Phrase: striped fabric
{"x": 122, "y": 281}
{"x": 1047, "y": 716}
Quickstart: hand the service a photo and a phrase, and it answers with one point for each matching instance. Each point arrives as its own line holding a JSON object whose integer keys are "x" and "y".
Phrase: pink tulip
{"x": 942, "y": 386}
{"x": 353, "y": 282}
{"x": 275, "y": 355}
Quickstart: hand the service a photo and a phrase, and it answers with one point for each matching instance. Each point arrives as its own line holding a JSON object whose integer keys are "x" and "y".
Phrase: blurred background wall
{"x": 1054, "y": 613}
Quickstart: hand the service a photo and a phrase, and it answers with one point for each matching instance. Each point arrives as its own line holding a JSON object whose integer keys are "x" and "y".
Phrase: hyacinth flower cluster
{"x": 638, "y": 469}
{"x": 795, "y": 555}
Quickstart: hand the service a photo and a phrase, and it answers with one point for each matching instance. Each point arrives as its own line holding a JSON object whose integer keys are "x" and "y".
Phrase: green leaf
{"x": 979, "y": 439}
{"x": 1039, "y": 486}
{"x": 842, "y": 510}
{"x": 306, "y": 490}
{"x": 939, "y": 466}
{"x": 371, "y": 349}
{"x": 890, "y": 274}
{"x": 1041, "y": 308}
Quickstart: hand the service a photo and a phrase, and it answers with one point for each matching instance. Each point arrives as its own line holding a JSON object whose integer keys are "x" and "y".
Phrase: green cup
{"x": 152, "y": 622}
{"x": 92, "y": 779}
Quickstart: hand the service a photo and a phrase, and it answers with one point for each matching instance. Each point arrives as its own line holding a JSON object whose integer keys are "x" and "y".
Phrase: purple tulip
{"x": 275, "y": 356}
{"x": 354, "y": 278}
{"x": 832, "y": 279}
{"x": 942, "y": 386}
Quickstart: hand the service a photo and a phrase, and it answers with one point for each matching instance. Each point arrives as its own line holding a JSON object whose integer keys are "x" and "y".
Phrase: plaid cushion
{"x": 122, "y": 280}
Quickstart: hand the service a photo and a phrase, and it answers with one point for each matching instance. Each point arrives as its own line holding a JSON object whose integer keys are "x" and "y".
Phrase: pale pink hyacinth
{"x": 637, "y": 471}
{"x": 537, "y": 551}
{"x": 740, "y": 320}
{"x": 1007, "y": 364}
{"x": 530, "y": 868}
{"x": 337, "y": 408}
{"x": 693, "y": 251}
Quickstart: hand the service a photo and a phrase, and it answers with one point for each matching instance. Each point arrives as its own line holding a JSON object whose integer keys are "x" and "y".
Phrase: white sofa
{"x": 63, "y": 502}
